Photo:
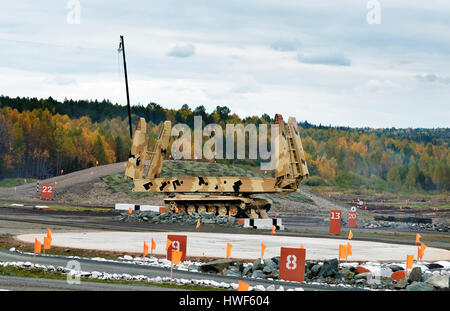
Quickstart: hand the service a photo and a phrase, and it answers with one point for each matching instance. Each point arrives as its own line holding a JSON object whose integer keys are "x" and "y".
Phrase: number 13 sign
{"x": 292, "y": 264}
{"x": 335, "y": 221}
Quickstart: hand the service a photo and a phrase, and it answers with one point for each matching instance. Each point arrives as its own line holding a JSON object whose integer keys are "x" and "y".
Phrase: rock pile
{"x": 329, "y": 272}
{"x": 182, "y": 218}
{"x": 423, "y": 277}
{"x": 391, "y": 224}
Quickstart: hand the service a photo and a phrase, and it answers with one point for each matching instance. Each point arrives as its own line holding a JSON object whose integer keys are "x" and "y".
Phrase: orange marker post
{"x": 243, "y": 287}
{"x": 263, "y": 248}
{"x": 37, "y": 250}
{"x": 145, "y": 252}
{"x": 409, "y": 262}
{"x": 175, "y": 260}
{"x": 153, "y": 246}
{"x": 49, "y": 233}
{"x": 418, "y": 236}
{"x": 229, "y": 246}
{"x": 198, "y": 224}
{"x": 47, "y": 243}
{"x": 350, "y": 235}
{"x": 349, "y": 250}
{"x": 168, "y": 244}
{"x": 342, "y": 251}
{"x": 273, "y": 229}
{"x": 423, "y": 247}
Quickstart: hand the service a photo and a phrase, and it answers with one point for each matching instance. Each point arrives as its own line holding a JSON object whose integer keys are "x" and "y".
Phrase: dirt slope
{"x": 85, "y": 187}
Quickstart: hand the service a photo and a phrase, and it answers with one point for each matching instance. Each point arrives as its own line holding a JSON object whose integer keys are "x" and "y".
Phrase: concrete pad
{"x": 245, "y": 246}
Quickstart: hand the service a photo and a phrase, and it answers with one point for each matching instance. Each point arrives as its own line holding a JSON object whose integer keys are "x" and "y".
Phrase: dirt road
{"x": 77, "y": 182}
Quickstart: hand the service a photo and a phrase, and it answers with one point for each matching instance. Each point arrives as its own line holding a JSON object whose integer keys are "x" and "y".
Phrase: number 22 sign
{"x": 47, "y": 191}
{"x": 335, "y": 221}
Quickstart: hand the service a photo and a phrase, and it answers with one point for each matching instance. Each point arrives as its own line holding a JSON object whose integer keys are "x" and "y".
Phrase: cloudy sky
{"x": 327, "y": 62}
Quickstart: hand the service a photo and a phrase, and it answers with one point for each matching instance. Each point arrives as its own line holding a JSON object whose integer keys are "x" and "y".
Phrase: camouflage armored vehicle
{"x": 220, "y": 195}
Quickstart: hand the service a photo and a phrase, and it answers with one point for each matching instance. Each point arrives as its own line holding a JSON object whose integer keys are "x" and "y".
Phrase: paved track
{"x": 91, "y": 265}
{"x": 65, "y": 181}
{"x": 17, "y": 283}
{"x": 15, "y": 221}
{"x": 245, "y": 246}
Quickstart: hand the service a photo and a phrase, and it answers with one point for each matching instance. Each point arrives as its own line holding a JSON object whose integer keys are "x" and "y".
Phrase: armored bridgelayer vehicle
{"x": 221, "y": 195}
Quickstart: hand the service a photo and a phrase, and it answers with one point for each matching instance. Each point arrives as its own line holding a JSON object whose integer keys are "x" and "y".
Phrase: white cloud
{"x": 246, "y": 85}
{"x": 431, "y": 78}
{"x": 239, "y": 54}
{"x": 61, "y": 80}
{"x": 335, "y": 59}
{"x": 381, "y": 85}
{"x": 182, "y": 51}
{"x": 284, "y": 45}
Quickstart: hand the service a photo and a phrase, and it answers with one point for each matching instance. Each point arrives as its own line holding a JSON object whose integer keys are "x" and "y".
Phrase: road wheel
{"x": 222, "y": 210}
{"x": 181, "y": 209}
{"x": 201, "y": 209}
{"x": 190, "y": 209}
{"x": 233, "y": 210}
{"x": 172, "y": 206}
{"x": 212, "y": 209}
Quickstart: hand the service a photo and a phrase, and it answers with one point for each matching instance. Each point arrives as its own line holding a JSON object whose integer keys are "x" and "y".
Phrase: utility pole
{"x": 122, "y": 48}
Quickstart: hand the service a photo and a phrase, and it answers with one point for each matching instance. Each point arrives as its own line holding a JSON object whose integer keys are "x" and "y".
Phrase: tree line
{"x": 41, "y": 137}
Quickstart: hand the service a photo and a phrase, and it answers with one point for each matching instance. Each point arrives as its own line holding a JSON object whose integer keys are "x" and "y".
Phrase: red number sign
{"x": 292, "y": 264}
{"x": 47, "y": 191}
{"x": 335, "y": 222}
{"x": 352, "y": 219}
{"x": 179, "y": 244}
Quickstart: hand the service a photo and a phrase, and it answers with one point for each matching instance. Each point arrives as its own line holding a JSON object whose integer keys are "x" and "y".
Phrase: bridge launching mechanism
{"x": 221, "y": 195}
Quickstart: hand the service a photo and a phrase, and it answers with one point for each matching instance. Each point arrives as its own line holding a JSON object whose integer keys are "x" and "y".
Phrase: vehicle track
{"x": 149, "y": 271}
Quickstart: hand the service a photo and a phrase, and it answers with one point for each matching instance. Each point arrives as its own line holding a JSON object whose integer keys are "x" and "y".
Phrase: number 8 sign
{"x": 292, "y": 264}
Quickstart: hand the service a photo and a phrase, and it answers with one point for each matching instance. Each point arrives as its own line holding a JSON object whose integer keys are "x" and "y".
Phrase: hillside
{"x": 44, "y": 138}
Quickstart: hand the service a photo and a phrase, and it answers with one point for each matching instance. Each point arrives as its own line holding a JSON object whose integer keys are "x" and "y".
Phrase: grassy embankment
{"x": 14, "y": 182}
{"x": 40, "y": 273}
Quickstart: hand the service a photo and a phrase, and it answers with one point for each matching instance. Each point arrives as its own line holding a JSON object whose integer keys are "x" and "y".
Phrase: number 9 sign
{"x": 179, "y": 243}
{"x": 292, "y": 264}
